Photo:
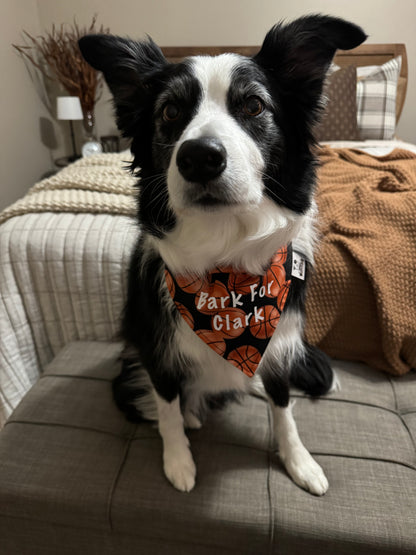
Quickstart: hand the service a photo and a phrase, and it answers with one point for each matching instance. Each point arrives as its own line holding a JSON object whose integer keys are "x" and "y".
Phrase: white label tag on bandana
{"x": 298, "y": 265}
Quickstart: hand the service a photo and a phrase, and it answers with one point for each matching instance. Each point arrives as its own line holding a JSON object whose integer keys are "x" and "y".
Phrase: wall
{"x": 231, "y": 22}
{"x": 170, "y": 23}
{"x": 23, "y": 156}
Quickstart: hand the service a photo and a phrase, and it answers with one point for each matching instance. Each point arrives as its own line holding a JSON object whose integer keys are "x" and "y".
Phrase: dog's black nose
{"x": 201, "y": 160}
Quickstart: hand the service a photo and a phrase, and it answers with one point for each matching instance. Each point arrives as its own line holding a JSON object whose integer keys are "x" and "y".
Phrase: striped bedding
{"x": 62, "y": 278}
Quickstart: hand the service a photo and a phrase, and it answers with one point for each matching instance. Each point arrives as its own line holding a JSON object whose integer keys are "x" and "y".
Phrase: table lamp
{"x": 69, "y": 108}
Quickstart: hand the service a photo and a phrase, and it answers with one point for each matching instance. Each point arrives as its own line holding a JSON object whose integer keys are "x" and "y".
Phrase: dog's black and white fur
{"x": 225, "y": 150}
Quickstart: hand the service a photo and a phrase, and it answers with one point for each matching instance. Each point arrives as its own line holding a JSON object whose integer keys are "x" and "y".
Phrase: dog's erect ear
{"x": 304, "y": 48}
{"x": 128, "y": 67}
{"x": 124, "y": 62}
{"x": 298, "y": 54}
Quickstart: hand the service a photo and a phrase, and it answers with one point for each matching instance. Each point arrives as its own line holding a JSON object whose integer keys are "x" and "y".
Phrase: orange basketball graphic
{"x": 265, "y": 328}
{"x": 246, "y": 358}
{"x": 229, "y": 322}
{"x": 282, "y": 296}
{"x": 170, "y": 283}
{"x": 224, "y": 269}
{"x": 280, "y": 256}
{"x": 190, "y": 284}
{"x": 210, "y": 299}
{"x": 213, "y": 340}
{"x": 273, "y": 280}
{"x": 186, "y": 315}
{"x": 240, "y": 282}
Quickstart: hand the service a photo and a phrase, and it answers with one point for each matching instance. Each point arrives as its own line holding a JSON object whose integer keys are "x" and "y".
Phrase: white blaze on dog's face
{"x": 215, "y": 138}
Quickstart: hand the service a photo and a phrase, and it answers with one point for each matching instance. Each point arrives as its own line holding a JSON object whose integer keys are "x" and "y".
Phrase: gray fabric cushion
{"x": 76, "y": 477}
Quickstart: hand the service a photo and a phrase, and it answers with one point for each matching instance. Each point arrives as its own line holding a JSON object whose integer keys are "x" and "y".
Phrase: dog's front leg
{"x": 300, "y": 465}
{"x": 303, "y": 469}
{"x": 178, "y": 463}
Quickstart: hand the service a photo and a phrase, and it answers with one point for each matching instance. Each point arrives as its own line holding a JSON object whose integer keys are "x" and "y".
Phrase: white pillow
{"x": 376, "y": 99}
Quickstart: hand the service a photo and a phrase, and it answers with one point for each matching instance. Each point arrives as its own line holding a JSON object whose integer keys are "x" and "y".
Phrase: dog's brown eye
{"x": 171, "y": 112}
{"x": 253, "y": 106}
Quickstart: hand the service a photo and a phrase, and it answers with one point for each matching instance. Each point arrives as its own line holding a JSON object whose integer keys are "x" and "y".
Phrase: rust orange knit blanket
{"x": 361, "y": 304}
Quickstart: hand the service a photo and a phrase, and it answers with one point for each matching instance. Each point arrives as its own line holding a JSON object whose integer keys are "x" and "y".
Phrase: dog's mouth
{"x": 211, "y": 198}
{"x": 211, "y": 202}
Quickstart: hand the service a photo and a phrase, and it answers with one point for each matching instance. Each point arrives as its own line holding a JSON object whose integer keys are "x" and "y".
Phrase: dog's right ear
{"x": 128, "y": 67}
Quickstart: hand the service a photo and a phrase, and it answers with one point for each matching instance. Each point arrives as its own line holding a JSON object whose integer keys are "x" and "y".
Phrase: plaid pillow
{"x": 376, "y": 101}
{"x": 339, "y": 120}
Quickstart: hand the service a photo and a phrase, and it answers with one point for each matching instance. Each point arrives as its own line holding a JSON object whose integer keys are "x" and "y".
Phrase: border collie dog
{"x": 224, "y": 149}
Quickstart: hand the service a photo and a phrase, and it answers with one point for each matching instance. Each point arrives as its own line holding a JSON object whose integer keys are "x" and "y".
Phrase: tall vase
{"x": 91, "y": 144}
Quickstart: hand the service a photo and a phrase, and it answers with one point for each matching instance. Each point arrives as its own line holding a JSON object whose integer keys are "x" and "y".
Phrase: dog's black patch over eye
{"x": 173, "y": 109}
{"x": 253, "y": 106}
{"x": 171, "y": 112}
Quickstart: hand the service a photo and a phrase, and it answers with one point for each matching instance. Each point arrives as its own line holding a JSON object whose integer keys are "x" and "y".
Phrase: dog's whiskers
{"x": 270, "y": 191}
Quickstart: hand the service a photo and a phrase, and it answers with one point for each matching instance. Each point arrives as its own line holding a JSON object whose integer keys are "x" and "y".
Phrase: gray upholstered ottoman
{"x": 76, "y": 477}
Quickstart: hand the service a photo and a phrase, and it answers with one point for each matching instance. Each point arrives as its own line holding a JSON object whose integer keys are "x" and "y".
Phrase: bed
{"x": 64, "y": 251}
{"x": 52, "y": 268}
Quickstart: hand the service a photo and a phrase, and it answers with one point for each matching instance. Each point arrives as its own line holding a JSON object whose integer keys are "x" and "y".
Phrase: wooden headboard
{"x": 364, "y": 55}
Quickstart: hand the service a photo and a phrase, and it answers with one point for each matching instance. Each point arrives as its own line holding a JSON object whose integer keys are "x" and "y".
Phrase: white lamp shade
{"x": 68, "y": 107}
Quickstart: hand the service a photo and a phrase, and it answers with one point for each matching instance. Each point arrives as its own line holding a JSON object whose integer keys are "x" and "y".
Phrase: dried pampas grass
{"x": 57, "y": 56}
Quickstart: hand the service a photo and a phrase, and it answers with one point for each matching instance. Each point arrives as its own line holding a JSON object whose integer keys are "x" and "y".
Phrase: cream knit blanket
{"x": 97, "y": 184}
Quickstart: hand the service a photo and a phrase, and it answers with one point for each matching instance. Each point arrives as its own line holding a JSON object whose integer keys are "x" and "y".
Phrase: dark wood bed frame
{"x": 364, "y": 55}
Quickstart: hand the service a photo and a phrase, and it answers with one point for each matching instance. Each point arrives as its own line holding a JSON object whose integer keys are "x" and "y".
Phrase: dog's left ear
{"x": 297, "y": 56}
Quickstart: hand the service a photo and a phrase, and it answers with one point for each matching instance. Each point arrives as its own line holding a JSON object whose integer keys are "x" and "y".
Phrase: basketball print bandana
{"x": 235, "y": 313}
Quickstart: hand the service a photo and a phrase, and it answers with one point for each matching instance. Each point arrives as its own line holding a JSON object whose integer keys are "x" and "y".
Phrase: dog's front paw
{"x": 306, "y": 472}
{"x": 180, "y": 468}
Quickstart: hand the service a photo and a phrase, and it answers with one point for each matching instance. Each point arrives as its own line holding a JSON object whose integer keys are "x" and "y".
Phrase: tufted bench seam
{"x": 348, "y": 401}
{"x": 269, "y": 474}
{"x": 132, "y": 439}
{"x": 75, "y": 376}
{"x": 67, "y": 426}
{"x": 400, "y": 414}
{"x": 363, "y": 458}
{"x": 271, "y": 450}
{"x": 393, "y": 389}
{"x": 117, "y": 477}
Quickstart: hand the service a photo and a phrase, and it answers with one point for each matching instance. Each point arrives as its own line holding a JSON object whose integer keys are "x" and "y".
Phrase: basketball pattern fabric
{"x": 235, "y": 313}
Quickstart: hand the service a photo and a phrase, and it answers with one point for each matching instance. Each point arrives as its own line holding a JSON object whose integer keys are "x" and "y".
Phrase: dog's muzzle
{"x": 201, "y": 160}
